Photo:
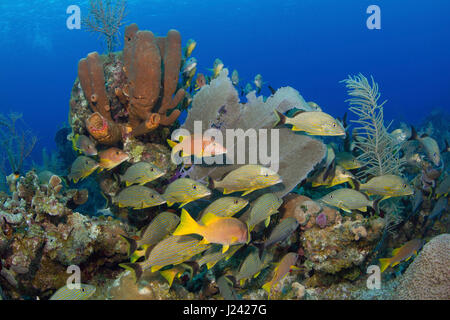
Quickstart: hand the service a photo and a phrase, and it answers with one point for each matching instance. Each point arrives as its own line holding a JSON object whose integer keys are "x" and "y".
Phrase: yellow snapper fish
{"x": 111, "y": 158}
{"x": 83, "y": 293}
{"x": 217, "y": 67}
{"x": 171, "y": 251}
{"x": 399, "y": 135}
{"x": 339, "y": 176}
{"x": 388, "y": 186}
{"x": 430, "y": 145}
{"x": 176, "y": 272}
{"x": 247, "y": 178}
{"x": 138, "y": 197}
{"x": 84, "y": 144}
{"x": 263, "y": 207}
{"x": 220, "y": 230}
{"x": 81, "y": 168}
{"x": 251, "y": 267}
{"x": 314, "y": 106}
{"x": 404, "y": 253}
{"x": 235, "y": 78}
{"x": 315, "y": 123}
{"x": 141, "y": 173}
{"x": 190, "y": 46}
{"x": 185, "y": 190}
{"x": 286, "y": 264}
{"x": 348, "y": 200}
{"x": 160, "y": 227}
{"x": 198, "y": 146}
{"x": 348, "y": 161}
{"x": 225, "y": 207}
{"x": 258, "y": 81}
{"x": 211, "y": 258}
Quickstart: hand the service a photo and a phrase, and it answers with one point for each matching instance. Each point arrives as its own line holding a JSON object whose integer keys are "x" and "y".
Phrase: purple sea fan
{"x": 321, "y": 220}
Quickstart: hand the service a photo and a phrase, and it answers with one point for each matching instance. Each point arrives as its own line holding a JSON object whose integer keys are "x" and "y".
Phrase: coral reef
{"x": 40, "y": 237}
{"x": 428, "y": 276}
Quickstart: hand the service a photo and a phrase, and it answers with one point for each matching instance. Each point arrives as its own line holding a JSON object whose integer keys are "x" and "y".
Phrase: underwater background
{"x": 85, "y": 158}
{"x": 309, "y": 45}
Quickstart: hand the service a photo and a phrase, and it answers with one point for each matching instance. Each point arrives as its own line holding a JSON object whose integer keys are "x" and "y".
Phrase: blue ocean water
{"x": 310, "y": 45}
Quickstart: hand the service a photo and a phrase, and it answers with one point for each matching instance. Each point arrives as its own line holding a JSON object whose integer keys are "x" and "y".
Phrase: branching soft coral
{"x": 379, "y": 152}
{"x": 16, "y": 142}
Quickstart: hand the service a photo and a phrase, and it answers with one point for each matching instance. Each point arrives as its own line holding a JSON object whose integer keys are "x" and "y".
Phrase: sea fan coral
{"x": 379, "y": 152}
{"x": 217, "y": 106}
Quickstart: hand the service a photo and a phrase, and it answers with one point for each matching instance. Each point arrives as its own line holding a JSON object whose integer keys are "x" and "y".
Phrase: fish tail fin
{"x": 212, "y": 184}
{"x": 171, "y": 143}
{"x": 132, "y": 245}
{"x": 169, "y": 276}
{"x": 330, "y": 171}
{"x": 414, "y": 135}
{"x": 281, "y": 118}
{"x": 187, "y": 225}
{"x": 74, "y": 141}
{"x": 375, "y": 205}
{"x": 267, "y": 287}
{"x": 356, "y": 183}
{"x": 260, "y": 247}
{"x": 384, "y": 263}
{"x": 134, "y": 268}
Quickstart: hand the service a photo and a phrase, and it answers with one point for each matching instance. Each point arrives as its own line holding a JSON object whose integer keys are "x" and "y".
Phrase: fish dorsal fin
{"x": 395, "y": 251}
{"x": 209, "y": 218}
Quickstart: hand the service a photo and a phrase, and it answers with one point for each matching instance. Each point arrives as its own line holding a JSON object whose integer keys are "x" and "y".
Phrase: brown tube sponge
{"x": 172, "y": 64}
{"x": 92, "y": 80}
{"x": 103, "y": 130}
{"x": 143, "y": 67}
{"x": 150, "y": 124}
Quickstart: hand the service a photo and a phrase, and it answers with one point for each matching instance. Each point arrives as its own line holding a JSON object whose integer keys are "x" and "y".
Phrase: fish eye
{"x": 331, "y": 196}
{"x": 404, "y": 186}
{"x": 334, "y": 125}
{"x": 194, "y": 187}
{"x": 153, "y": 196}
{"x": 117, "y": 152}
{"x": 152, "y": 170}
{"x": 82, "y": 289}
{"x": 236, "y": 202}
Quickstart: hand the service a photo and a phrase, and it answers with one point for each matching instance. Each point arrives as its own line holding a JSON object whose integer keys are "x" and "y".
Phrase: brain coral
{"x": 428, "y": 276}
